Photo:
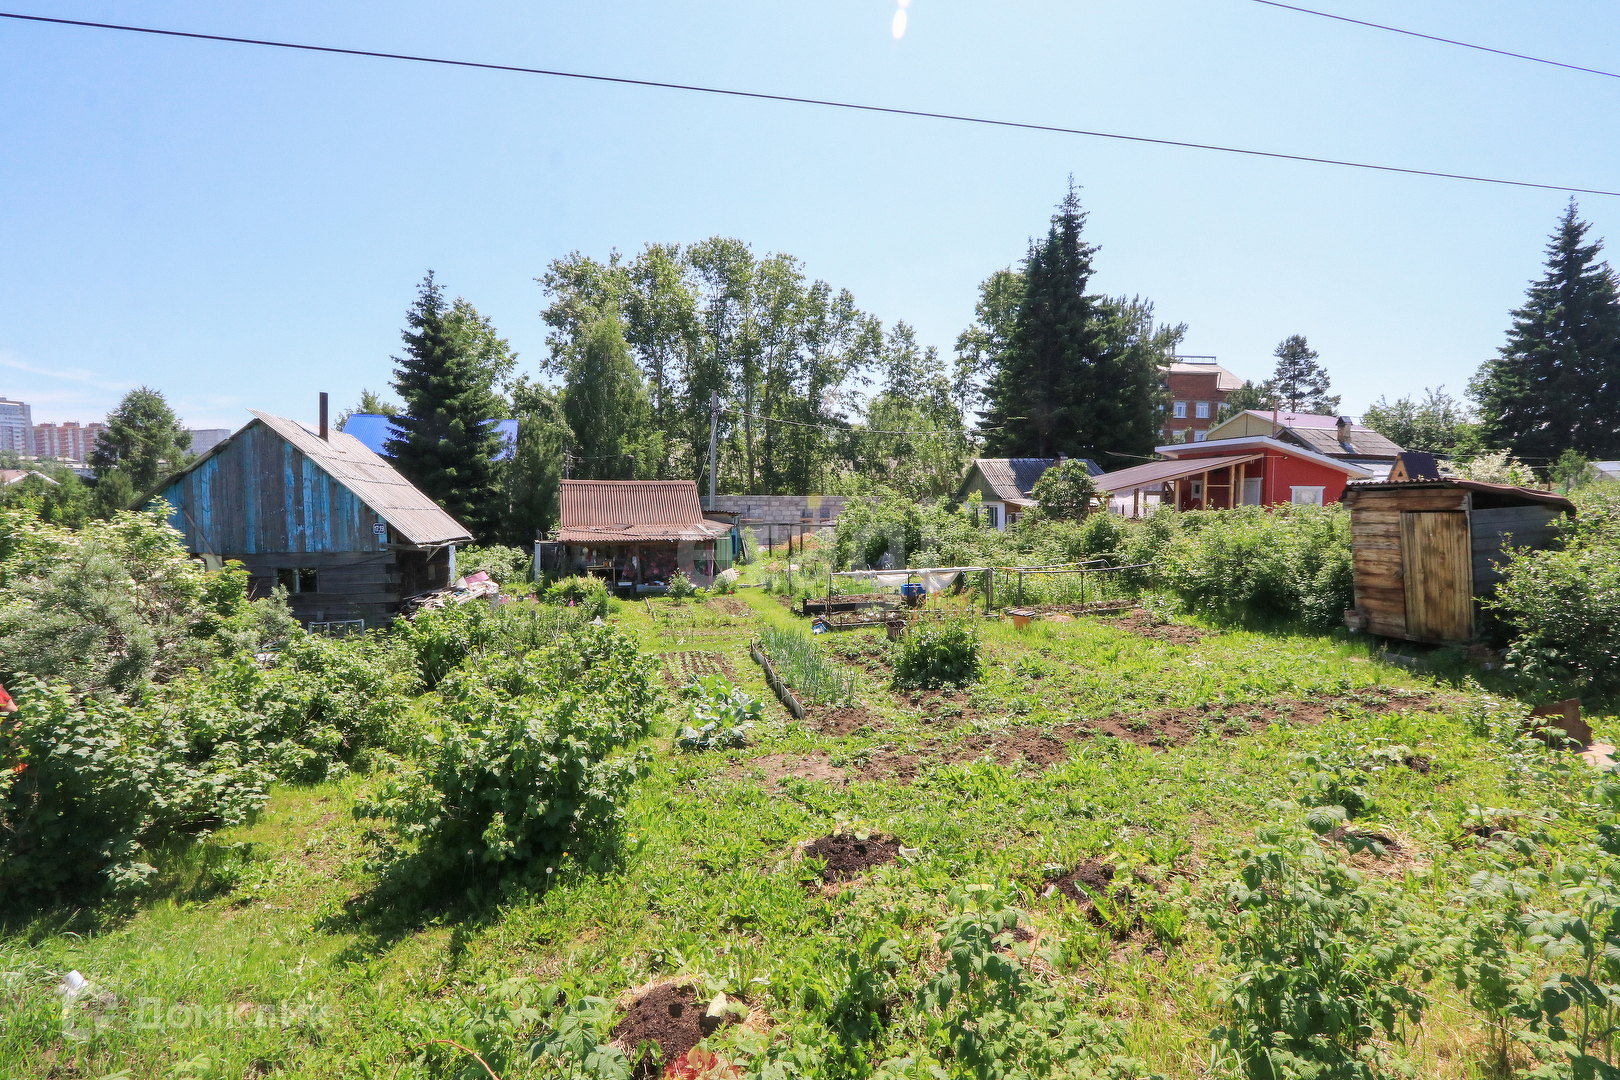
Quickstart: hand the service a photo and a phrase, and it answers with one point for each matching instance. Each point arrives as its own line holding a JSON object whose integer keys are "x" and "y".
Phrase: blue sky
{"x": 243, "y": 227}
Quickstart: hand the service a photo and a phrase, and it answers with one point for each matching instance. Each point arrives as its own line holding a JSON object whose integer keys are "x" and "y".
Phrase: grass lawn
{"x": 1154, "y": 749}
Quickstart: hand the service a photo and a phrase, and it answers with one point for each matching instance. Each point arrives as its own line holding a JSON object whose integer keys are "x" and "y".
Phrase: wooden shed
{"x": 1425, "y": 552}
{"x": 317, "y": 513}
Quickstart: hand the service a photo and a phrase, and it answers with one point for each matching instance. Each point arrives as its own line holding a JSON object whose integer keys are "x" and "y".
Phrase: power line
{"x": 1442, "y": 40}
{"x": 788, "y": 98}
{"x": 846, "y": 430}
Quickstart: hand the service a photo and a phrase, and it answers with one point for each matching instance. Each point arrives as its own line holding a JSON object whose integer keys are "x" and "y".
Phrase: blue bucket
{"x": 911, "y": 590}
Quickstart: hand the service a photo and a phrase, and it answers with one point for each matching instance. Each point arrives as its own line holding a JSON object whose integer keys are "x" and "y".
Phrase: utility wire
{"x": 855, "y": 107}
{"x": 1442, "y": 40}
{"x": 848, "y": 430}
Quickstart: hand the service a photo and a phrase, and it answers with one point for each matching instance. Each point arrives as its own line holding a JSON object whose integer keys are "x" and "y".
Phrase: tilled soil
{"x": 1041, "y": 747}
{"x": 839, "y": 720}
{"x": 1142, "y": 624}
{"x": 670, "y": 1015}
{"x": 728, "y": 605}
{"x": 1092, "y": 879}
{"x": 846, "y": 855}
{"x": 779, "y": 767}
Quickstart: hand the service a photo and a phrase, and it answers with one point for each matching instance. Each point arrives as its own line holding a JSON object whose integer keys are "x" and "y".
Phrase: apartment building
{"x": 1197, "y": 386}
{"x": 16, "y": 427}
{"x": 67, "y": 441}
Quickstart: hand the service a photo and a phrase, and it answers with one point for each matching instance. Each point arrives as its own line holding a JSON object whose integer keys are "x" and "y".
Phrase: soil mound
{"x": 1093, "y": 880}
{"x": 1362, "y": 840}
{"x": 840, "y": 721}
{"x": 671, "y": 1015}
{"x": 846, "y": 855}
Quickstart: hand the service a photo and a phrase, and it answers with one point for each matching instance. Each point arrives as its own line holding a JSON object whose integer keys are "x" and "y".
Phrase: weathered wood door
{"x": 1439, "y": 576}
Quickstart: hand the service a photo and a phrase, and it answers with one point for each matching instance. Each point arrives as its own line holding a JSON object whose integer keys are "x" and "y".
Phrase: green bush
{"x": 679, "y": 586}
{"x": 939, "y": 652}
{"x": 504, "y": 565}
{"x": 86, "y": 785}
{"x": 1289, "y": 562}
{"x": 318, "y": 702}
{"x": 519, "y": 773}
{"x": 1324, "y": 967}
{"x": 589, "y": 594}
{"x": 119, "y": 604}
{"x": 1563, "y": 606}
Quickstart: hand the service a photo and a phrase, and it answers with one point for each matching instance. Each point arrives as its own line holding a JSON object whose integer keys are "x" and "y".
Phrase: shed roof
{"x": 1507, "y": 494}
{"x": 634, "y": 511}
{"x": 412, "y": 515}
{"x": 1349, "y": 467}
{"x": 1158, "y": 472}
{"x": 1317, "y": 432}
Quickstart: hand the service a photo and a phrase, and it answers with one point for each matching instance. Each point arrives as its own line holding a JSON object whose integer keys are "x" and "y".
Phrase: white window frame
{"x": 1201, "y": 410}
{"x": 1312, "y": 495}
{"x": 1180, "y": 411}
{"x": 995, "y": 515}
{"x": 1200, "y": 436}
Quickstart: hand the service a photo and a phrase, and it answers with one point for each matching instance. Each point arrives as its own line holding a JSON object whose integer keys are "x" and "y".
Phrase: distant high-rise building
{"x": 16, "y": 427}
{"x": 66, "y": 441}
{"x": 205, "y": 439}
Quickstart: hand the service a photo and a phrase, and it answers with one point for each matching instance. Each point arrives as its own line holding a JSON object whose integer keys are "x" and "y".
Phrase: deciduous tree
{"x": 143, "y": 441}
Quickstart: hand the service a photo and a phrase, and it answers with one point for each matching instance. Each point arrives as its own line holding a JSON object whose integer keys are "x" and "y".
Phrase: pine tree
{"x": 447, "y": 443}
{"x": 1556, "y": 383}
{"x": 1079, "y": 375}
{"x": 1300, "y": 384}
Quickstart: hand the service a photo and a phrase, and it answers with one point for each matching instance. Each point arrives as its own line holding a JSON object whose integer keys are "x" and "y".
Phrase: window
{"x": 1200, "y": 436}
{"x": 1197, "y": 489}
{"x": 1201, "y": 410}
{"x": 992, "y": 516}
{"x": 1181, "y": 410}
{"x": 300, "y": 580}
{"x": 1307, "y": 496}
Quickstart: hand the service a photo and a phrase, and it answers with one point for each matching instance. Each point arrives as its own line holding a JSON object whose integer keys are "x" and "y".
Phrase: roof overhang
{"x": 1155, "y": 473}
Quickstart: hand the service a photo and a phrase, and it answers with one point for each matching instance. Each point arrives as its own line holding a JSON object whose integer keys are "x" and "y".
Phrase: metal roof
{"x": 1363, "y": 442}
{"x": 588, "y": 503}
{"x": 1158, "y": 472}
{"x": 693, "y": 532}
{"x": 1503, "y": 491}
{"x": 375, "y": 429}
{"x": 413, "y": 516}
{"x": 345, "y": 459}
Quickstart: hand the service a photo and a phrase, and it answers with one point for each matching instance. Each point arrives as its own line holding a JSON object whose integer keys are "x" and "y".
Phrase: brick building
{"x": 67, "y": 441}
{"x": 1197, "y": 386}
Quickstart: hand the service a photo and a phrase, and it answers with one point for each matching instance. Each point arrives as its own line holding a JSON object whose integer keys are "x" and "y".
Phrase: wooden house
{"x": 1255, "y": 471}
{"x": 637, "y": 533}
{"x": 1006, "y": 486}
{"x": 1425, "y": 552}
{"x": 318, "y": 513}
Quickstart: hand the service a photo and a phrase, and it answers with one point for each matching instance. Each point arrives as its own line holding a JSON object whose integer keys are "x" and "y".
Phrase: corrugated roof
{"x": 620, "y": 503}
{"x": 1505, "y": 491}
{"x": 643, "y": 534}
{"x": 1013, "y": 479}
{"x": 1157, "y": 472}
{"x": 345, "y": 459}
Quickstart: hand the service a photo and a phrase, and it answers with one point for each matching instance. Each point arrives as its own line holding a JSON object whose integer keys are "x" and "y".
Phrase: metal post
{"x": 1020, "y": 588}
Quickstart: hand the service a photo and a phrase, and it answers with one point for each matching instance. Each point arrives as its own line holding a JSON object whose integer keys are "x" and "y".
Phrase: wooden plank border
{"x": 780, "y": 688}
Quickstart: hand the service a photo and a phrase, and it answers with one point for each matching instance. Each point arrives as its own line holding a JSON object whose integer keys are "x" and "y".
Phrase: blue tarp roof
{"x": 374, "y": 430}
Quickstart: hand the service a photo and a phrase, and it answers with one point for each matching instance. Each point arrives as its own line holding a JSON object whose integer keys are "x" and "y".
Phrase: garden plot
{"x": 845, "y": 855}
{"x": 686, "y": 668}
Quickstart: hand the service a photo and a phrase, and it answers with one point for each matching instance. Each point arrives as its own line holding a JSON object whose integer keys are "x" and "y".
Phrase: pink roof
{"x": 1299, "y": 419}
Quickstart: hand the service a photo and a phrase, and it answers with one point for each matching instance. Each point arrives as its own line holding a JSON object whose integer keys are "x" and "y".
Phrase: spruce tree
{"x": 1037, "y": 396}
{"x": 1556, "y": 383}
{"x": 447, "y": 443}
{"x": 1079, "y": 375}
{"x": 1299, "y": 384}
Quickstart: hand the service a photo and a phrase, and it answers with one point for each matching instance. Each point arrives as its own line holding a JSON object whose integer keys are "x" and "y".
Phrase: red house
{"x": 1253, "y": 471}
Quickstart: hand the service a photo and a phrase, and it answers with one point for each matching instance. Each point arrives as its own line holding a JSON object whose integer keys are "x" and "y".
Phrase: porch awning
{"x": 1155, "y": 473}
